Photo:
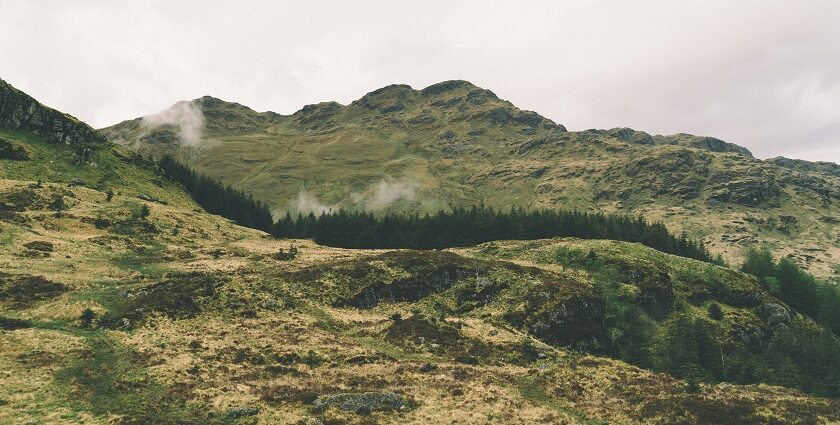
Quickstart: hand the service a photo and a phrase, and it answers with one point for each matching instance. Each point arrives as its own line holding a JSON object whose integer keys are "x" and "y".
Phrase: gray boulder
{"x": 363, "y": 403}
{"x": 775, "y": 315}
{"x": 241, "y": 412}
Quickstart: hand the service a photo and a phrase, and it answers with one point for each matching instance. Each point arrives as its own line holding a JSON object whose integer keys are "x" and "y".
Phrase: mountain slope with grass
{"x": 454, "y": 145}
{"x": 122, "y": 301}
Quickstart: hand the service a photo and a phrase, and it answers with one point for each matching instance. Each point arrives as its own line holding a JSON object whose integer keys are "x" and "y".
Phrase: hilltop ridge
{"x": 453, "y": 144}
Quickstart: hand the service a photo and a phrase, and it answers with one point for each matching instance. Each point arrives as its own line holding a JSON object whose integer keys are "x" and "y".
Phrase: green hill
{"x": 454, "y": 144}
{"x": 122, "y": 301}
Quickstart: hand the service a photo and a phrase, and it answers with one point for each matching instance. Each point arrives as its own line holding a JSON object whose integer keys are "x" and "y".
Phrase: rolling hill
{"x": 123, "y": 302}
{"x": 454, "y": 144}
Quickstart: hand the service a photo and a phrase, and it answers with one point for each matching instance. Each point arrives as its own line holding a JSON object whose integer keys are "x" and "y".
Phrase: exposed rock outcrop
{"x": 363, "y": 403}
{"x": 20, "y": 112}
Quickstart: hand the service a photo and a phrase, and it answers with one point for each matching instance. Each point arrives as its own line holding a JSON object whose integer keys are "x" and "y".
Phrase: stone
{"x": 241, "y": 412}
{"x": 12, "y": 150}
{"x": 775, "y": 315}
{"x": 364, "y": 403}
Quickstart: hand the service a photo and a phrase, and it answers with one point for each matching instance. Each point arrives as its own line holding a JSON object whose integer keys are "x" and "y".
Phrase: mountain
{"x": 122, "y": 301}
{"x": 454, "y": 144}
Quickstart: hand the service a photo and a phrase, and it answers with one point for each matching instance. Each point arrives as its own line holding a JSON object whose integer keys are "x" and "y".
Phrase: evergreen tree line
{"x": 470, "y": 226}
{"x": 689, "y": 345}
{"x": 799, "y": 356}
{"x": 444, "y": 229}
{"x": 798, "y": 289}
{"x": 217, "y": 198}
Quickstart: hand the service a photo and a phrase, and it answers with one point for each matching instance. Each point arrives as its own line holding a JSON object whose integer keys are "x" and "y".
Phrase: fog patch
{"x": 185, "y": 114}
{"x": 388, "y": 192}
{"x": 309, "y": 203}
{"x": 376, "y": 198}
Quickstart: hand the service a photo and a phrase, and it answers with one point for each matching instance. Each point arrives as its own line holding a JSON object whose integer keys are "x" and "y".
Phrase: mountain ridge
{"x": 455, "y": 144}
{"x": 122, "y": 301}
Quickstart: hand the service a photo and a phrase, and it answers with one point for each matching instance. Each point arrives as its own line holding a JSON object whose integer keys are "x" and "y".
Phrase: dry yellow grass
{"x": 267, "y": 343}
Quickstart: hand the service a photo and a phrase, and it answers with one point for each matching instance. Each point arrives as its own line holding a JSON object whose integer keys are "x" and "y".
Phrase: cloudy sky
{"x": 761, "y": 73}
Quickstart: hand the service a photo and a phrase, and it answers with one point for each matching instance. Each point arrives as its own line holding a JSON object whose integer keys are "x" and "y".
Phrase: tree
{"x": 144, "y": 212}
{"x": 86, "y": 319}
{"x": 690, "y": 351}
{"x": 715, "y": 312}
{"x": 217, "y": 198}
{"x": 759, "y": 263}
{"x": 797, "y": 288}
{"x": 465, "y": 227}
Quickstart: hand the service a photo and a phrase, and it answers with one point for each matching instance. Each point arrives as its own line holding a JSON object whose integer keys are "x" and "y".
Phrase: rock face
{"x": 710, "y": 144}
{"x": 749, "y": 191}
{"x": 20, "y": 112}
{"x": 829, "y": 168}
{"x": 775, "y": 315}
{"x": 364, "y": 403}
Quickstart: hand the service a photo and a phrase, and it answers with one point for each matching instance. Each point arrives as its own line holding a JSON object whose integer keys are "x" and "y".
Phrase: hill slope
{"x": 115, "y": 313}
{"x": 454, "y": 144}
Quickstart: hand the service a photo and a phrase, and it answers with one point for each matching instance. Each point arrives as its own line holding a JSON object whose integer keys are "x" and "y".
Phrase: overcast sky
{"x": 763, "y": 74}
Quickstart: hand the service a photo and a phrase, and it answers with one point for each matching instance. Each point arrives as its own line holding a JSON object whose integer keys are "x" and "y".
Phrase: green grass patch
{"x": 110, "y": 379}
{"x": 392, "y": 350}
{"x": 146, "y": 262}
{"x": 531, "y": 391}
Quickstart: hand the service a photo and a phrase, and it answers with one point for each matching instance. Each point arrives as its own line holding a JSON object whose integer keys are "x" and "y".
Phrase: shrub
{"x": 101, "y": 222}
{"x": 144, "y": 212}
{"x": 86, "y": 319}
{"x": 312, "y": 359}
{"x": 282, "y": 255}
{"x": 715, "y": 311}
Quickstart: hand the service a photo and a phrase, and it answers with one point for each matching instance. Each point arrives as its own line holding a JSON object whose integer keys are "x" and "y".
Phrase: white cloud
{"x": 186, "y": 115}
{"x": 388, "y": 192}
{"x": 309, "y": 203}
{"x": 377, "y": 197}
{"x": 760, "y": 73}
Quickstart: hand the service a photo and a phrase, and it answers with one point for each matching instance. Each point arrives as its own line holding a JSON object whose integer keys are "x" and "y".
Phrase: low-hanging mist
{"x": 187, "y": 116}
{"x": 378, "y": 197}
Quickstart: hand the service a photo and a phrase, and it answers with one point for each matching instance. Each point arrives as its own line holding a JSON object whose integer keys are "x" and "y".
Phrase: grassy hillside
{"x": 123, "y": 302}
{"x": 454, "y": 144}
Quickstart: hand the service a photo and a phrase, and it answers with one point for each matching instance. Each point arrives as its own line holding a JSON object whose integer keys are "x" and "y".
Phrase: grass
{"x": 7, "y": 236}
{"x": 58, "y": 373}
{"x": 146, "y": 263}
{"x": 392, "y": 350}
{"x": 52, "y": 163}
{"x": 530, "y": 390}
{"x": 110, "y": 380}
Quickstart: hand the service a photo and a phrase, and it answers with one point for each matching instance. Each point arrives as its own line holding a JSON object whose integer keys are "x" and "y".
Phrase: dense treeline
{"x": 218, "y": 198}
{"x": 691, "y": 343}
{"x": 789, "y": 283}
{"x": 464, "y": 227}
{"x": 799, "y": 355}
{"x": 460, "y": 227}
